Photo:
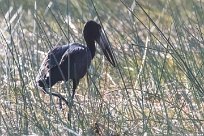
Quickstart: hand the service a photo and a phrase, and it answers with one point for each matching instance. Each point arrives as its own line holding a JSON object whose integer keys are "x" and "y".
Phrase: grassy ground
{"x": 156, "y": 88}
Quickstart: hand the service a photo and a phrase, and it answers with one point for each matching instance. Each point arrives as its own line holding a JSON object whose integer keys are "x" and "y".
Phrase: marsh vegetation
{"x": 156, "y": 88}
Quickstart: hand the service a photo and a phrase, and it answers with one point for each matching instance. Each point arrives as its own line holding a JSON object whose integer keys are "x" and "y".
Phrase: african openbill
{"x": 73, "y": 60}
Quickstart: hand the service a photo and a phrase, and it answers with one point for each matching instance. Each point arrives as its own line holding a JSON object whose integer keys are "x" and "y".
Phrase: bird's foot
{"x": 70, "y": 109}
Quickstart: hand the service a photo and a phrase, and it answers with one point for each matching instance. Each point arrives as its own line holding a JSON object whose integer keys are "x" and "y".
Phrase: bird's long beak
{"x": 105, "y": 45}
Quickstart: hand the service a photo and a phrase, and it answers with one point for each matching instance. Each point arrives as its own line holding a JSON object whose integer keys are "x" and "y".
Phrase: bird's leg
{"x": 75, "y": 84}
{"x": 60, "y": 103}
{"x": 61, "y": 98}
{"x": 73, "y": 93}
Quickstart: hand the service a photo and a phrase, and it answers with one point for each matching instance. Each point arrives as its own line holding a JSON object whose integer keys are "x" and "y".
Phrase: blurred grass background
{"x": 156, "y": 89}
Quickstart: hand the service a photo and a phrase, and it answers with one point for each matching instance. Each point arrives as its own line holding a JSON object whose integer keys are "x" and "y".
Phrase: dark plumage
{"x": 72, "y": 61}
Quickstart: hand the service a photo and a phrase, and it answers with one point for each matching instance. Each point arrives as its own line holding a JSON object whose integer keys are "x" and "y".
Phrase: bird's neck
{"x": 92, "y": 48}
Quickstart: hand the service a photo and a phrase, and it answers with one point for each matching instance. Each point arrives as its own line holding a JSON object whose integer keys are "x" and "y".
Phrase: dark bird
{"x": 73, "y": 60}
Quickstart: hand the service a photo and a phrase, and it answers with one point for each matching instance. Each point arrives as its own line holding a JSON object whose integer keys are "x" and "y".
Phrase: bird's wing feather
{"x": 76, "y": 50}
{"x": 80, "y": 59}
{"x": 55, "y": 55}
{"x": 75, "y": 53}
{"x": 51, "y": 60}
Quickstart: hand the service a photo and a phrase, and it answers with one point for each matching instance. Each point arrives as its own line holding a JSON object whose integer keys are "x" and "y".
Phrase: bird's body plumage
{"x": 68, "y": 61}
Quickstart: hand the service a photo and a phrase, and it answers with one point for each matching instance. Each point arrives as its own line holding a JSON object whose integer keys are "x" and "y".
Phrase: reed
{"x": 156, "y": 88}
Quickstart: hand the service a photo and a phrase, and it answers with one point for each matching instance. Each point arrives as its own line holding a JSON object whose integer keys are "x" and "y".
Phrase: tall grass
{"x": 156, "y": 88}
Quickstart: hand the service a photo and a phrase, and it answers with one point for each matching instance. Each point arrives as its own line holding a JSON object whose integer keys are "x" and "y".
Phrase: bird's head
{"x": 93, "y": 32}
